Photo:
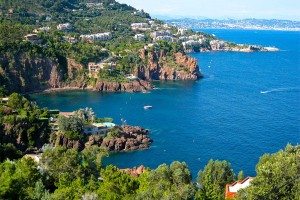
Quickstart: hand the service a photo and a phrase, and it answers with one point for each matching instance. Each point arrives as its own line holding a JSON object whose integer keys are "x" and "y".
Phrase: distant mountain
{"x": 249, "y": 24}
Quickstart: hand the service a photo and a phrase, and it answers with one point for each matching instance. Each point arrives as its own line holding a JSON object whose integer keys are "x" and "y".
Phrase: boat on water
{"x": 148, "y": 107}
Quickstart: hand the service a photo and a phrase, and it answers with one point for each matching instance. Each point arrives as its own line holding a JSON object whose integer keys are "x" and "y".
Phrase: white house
{"x": 62, "y": 27}
{"x": 97, "y": 37}
{"x": 98, "y": 128}
{"x": 140, "y": 37}
{"x": 232, "y": 189}
{"x": 164, "y": 38}
{"x": 140, "y": 26}
{"x": 160, "y": 33}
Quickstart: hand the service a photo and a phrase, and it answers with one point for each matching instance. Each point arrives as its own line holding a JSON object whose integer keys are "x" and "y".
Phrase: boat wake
{"x": 280, "y": 90}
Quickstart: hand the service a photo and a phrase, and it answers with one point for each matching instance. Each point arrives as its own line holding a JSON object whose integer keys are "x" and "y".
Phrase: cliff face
{"x": 25, "y": 73}
{"x": 161, "y": 67}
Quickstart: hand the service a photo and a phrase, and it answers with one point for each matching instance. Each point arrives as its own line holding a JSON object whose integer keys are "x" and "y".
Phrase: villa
{"x": 140, "y": 26}
{"x": 164, "y": 38}
{"x": 160, "y": 33}
{"x": 35, "y": 157}
{"x": 232, "y": 189}
{"x": 97, "y": 37}
{"x": 4, "y": 100}
{"x": 140, "y": 37}
{"x": 98, "y": 128}
{"x": 42, "y": 29}
{"x": 131, "y": 77}
{"x": 33, "y": 38}
{"x": 217, "y": 45}
{"x": 94, "y": 68}
{"x": 62, "y": 27}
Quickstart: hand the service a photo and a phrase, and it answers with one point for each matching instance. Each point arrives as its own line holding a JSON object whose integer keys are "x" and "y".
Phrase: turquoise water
{"x": 247, "y": 105}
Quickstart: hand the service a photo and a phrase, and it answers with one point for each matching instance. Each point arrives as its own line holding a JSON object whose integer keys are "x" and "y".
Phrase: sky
{"x": 220, "y": 9}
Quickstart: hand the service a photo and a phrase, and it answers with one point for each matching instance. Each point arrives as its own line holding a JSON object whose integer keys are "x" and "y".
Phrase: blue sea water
{"x": 248, "y": 104}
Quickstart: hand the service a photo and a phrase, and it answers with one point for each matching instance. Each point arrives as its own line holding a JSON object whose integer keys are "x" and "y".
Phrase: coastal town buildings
{"x": 97, "y": 37}
{"x": 232, "y": 189}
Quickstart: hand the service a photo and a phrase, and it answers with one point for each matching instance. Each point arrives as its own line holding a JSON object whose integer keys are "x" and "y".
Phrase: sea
{"x": 247, "y": 104}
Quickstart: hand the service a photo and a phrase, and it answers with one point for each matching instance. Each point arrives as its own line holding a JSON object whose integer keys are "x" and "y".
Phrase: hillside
{"x": 100, "y": 45}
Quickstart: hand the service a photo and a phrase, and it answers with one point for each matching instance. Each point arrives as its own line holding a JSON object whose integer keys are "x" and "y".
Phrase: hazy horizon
{"x": 220, "y": 9}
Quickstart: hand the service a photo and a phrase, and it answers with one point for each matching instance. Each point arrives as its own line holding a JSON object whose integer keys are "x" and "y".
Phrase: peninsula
{"x": 101, "y": 46}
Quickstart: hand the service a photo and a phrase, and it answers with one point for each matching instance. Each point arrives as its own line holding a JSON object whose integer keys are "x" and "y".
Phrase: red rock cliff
{"x": 162, "y": 67}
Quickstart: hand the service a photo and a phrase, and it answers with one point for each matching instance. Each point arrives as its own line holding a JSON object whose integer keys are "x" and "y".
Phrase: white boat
{"x": 147, "y": 107}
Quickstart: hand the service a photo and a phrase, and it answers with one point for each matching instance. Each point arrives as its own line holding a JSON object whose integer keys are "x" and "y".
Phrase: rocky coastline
{"x": 129, "y": 138}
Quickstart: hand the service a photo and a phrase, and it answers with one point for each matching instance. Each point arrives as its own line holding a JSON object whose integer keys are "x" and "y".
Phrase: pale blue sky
{"x": 267, "y": 9}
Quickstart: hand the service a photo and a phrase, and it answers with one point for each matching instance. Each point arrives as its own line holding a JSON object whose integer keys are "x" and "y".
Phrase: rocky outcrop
{"x": 162, "y": 67}
{"x": 129, "y": 138}
{"x": 63, "y": 141}
{"x": 135, "y": 172}
{"x": 131, "y": 86}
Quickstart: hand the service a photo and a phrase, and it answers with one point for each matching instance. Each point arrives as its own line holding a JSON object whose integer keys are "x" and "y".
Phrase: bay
{"x": 247, "y": 104}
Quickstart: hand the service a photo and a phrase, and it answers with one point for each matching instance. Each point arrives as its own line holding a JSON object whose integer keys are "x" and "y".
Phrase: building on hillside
{"x": 66, "y": 114}
{"x": 98, "y": 128}
{"x": 4, "y": 100}
{"x": 94, "y": 68}
{"x": 140, "y": 27}
{"x": 164, "y": 38}
{"x": 42, "y": 29}
{"x": 140, "y": 37}
{"x": 63, "y": 27}
{"x": 33, "y": 38}
{"x": 35, "y": 157}
{"x": 131, "y": 77}
{"x": 160, "y": 33}
{"x": 70, "y": 39}
{"x": 232, "y": 189}
{"x": 182, "y": 31}
{"x": 217, "y": 45}
{"x": 191, "y": 44}
{"x": 97, "y": 37}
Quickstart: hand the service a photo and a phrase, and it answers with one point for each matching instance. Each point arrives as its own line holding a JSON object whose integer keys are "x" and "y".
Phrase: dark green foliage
{"x": 64, "y": 166}
{"x": 213, "y": 179}
{"x": 71, "y": 124}
{"x": 116, "y": 184}
{"x": 278, "y": 176}
{"x": 17, "y": 179}
{"x": 23, "y": 126}
{"x": 166, "y": 182}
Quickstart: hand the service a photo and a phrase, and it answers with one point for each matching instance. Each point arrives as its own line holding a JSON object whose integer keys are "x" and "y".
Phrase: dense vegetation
{"x": 69, "y": 174}
{"x": 24, "y": 126}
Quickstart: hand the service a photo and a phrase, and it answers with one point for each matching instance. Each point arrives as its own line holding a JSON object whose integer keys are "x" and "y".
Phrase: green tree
{"x": 166, "y": 182}
{"x": 278, "y": 176}
{"x": 17, "y": 179}
{"x": 70, "y": 124}
{"x": 116, "y": 184}
{"x": 213, "y": 179}
{"x": 240, "y": 176}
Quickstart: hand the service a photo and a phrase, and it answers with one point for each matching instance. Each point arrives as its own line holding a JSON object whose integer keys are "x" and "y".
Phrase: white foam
{"x": 279, "y": 90}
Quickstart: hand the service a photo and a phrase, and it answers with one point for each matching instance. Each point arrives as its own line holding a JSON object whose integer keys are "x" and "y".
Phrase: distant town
{"x": 245, "y": 24}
